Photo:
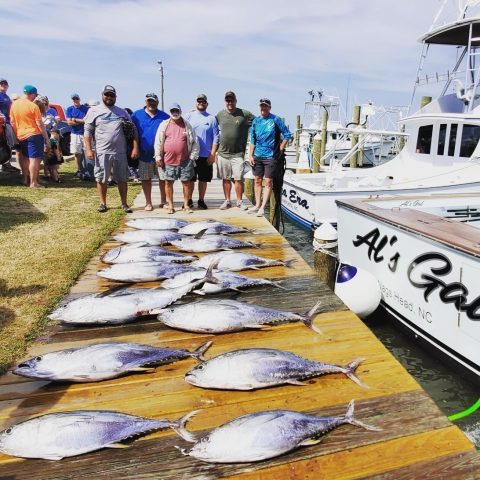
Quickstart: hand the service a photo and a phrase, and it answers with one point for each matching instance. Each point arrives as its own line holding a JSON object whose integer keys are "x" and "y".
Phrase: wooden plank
{"x": 409, "y": 418}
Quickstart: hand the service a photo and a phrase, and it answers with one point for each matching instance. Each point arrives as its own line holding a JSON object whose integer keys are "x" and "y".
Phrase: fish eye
{"x": 200, "y": 367}
{"x": 8, "y": 431}
{"x": 38, "y": 359}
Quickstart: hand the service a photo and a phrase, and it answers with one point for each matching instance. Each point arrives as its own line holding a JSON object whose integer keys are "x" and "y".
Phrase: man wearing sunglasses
{"x": 234, "y": 124}
{"x": 104, "y": 126}
{"x": 206, "y": 128}
{"x": 268, "y": 137}
{"x": 75, "y": 115}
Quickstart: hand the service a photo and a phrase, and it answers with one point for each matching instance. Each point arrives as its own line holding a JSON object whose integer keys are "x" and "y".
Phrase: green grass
{"x": 47, "y": 237}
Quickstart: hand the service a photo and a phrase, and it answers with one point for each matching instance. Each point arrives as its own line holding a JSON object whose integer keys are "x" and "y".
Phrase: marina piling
{"x": 316, "y": 152}
{"x": 355, "y": 121}
{"x": 325, "y": 254}
{"x": 323, "y": 146}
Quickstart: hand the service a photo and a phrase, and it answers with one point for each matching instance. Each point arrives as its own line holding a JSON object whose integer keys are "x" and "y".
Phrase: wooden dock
{"x": 416, "y": 441}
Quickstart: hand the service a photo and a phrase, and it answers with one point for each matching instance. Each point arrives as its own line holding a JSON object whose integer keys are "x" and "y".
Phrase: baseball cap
{"x": 109, "y": 89}
{"x": 75, "y": 96}
{"x": 265, "y": 101}
{"x": 175, "y": 106}
{"x": 3, "y": 80}
{"x": 153, "y": 96}
{"x": 202, "y": 96}
{"x": 230, "y": 94}
{"x": 30, "y": 89}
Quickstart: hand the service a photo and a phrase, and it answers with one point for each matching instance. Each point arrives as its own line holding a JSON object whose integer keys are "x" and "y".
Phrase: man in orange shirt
{"x": 30, "y": 131}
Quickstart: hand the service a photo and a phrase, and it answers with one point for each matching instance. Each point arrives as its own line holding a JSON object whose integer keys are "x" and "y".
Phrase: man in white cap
{"x": 176, "y": 149}
{"x": 105, "y": 123}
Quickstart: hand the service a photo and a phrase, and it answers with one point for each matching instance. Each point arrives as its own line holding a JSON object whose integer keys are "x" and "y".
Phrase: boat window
{"x": 334, "y": 136}
{"x": 452, "y": 139}
{"x": 442, "y": 133}
{"x": 424, "y": 140}
{"x": 470, "y": 137}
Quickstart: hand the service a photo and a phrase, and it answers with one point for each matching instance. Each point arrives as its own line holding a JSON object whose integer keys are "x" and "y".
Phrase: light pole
{"x": 161, "y": 83}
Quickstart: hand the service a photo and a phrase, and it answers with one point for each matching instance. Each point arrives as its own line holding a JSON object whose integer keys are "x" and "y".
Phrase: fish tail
{"x": 353, "y": 421}
{"x": 289, "y": 263}
{"x": 349, "y": 370}
{"x": 179, "y": 427}
{"x": 198, "y": 352}
{"x": 277, "y": 284}
{"x": 309, "y": 316}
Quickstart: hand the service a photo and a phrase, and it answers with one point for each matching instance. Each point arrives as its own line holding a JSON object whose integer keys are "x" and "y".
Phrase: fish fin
{"x": 289, "y": 263}
{"x": 117, "y": 445}
{"x": 253, "y": 267}
{"x": 200, "y": 234}
{"x": 350, "y": 369}
{"x": 257, "y": 245}
{"x": 308, "y": 317}
{"x": 142, "y": 369}
{"x": 277, "y": 284}
{"x": 179, "y": 427}
{"x": 353, "y": 421}
{"x": 52, "y": 457}
{"x": 310, "y": 441}
{"x": 198, "y": 352}
{"x": 292, "y": 381}
{"x": 257, "y": 326}
{"x": 198, "y": 292}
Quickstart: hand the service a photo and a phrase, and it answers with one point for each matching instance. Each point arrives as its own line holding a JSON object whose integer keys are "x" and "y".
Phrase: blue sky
{"x": 262, "y": 48}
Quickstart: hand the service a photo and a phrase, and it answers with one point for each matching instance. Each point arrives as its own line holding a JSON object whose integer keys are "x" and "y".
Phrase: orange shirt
{"x": 24, "y": 115}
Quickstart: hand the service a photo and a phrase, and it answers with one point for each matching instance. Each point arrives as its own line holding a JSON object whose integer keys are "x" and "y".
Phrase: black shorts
{"x": 203, "y": 171}
{"x": 264, "y": 167}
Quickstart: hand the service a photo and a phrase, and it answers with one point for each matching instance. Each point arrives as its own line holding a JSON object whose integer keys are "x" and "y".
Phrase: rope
{"x": 465, "y": 413}
{"x": 325, "y": 248}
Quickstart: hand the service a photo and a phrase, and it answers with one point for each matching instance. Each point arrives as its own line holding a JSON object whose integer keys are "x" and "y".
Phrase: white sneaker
{"x": 226, "y": 204}
{"x": 241, "y": 205}
{"x": 260, "y": 212}
{"x": 253, "y": 209}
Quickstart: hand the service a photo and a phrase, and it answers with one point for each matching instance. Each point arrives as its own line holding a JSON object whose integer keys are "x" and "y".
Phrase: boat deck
{"x": 416, "y": 440}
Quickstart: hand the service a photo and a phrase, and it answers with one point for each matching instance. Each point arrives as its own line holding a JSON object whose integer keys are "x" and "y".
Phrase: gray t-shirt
{"x": 104, "y": 124}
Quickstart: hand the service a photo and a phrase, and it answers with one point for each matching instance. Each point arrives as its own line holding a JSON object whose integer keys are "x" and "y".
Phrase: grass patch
{"x": 47, "y": 237}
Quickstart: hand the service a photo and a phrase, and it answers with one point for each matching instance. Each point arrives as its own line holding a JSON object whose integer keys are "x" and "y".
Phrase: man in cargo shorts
{"x": 147, "y": 120}
{"x": 104, "y": 123}
{"x": 234, "y": 124}
{"x": 176, "y": 149}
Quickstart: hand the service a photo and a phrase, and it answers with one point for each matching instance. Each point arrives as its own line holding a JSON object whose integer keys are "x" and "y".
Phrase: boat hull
{"x": 429, "y": 285}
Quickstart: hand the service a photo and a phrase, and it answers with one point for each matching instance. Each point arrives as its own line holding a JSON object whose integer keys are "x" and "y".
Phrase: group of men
{"x": 171, "y": 146}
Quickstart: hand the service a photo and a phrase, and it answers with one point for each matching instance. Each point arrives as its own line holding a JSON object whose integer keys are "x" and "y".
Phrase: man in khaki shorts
{"x": 234, "y": 124}
{"x": 147, "y": 120}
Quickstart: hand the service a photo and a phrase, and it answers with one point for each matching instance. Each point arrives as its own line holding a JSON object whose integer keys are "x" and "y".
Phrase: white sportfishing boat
{"x": 374, "y": 147}
{"x": 441, "y": 152}
{"x": 425, "y": 253}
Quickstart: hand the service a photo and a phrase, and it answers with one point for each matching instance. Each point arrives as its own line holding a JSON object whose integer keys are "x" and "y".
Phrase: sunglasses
{"x": 174, "y": 110}
{"x": 111, "y": 95}
{"x": 76, "y": 98}
{"x": 201, "y": 101}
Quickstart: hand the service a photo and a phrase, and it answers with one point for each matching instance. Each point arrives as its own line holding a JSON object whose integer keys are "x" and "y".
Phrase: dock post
{"x": 425, "y": 100}
{"x": 298, "y": 128}
{"x": 325, "y": 246}
{"x": 316, "y": 152}
{"x": 323, "y": 146}
{"x": 250, "y": 188}
{"x": 355, "y": 121}
{"x": 274, "y": 219}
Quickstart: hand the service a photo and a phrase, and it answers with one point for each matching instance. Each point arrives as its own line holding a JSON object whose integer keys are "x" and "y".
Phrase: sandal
{"x": 171, "y": 210}
{"x": 188, "y": 210}
{"x": 148, "y": 208}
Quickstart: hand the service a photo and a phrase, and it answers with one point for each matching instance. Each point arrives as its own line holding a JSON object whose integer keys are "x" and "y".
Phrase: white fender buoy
{"x": 358, "y": 289}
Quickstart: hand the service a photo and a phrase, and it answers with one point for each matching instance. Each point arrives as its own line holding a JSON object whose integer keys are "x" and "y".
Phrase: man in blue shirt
{"x": 268, "y": 137}
{"x": 206, "y": 129}
{"x": 147, "y": 121}
{"x": 75, "y": 118}
{"x": 5, "y": 105}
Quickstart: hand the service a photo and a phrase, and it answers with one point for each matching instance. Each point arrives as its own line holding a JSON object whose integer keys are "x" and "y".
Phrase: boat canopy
{"x": 456, "y": 33}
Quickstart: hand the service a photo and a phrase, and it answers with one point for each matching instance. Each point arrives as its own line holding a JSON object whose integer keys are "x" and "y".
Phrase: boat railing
{"x": 367, "y": 139}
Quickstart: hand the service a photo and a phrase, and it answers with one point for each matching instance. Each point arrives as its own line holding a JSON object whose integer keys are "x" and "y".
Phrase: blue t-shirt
{"x": 206, "y": 128}
{"x": 147, "y": 127}
{"x": 74, "y": 112}
{"x": 5, "y": 104}
{"x": 262, "y": 134}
